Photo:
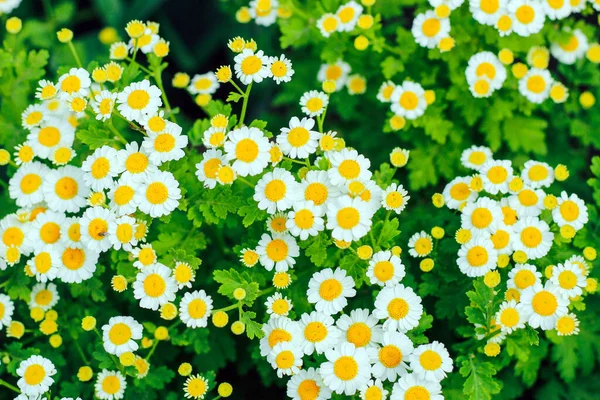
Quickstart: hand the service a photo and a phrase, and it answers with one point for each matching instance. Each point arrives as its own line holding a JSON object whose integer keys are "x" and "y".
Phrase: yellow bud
{"x": 437, "y": 232}
{"x": 168, "y": 311}
{"x": 108, "y": 35}
{"x": 399, "y": 157}
{"x": 225, "y": 389}
{"x": 4, "y": 157}
{"x": 397, "y": 122}
{"x": 593, "y": 53}
{"x": 438, "y": 200}
{"x": 512, "y": 294}
{"x": 238, "y": 328}
{"x": 85, "y": 373}
{"x": 364, "y": 252}
{"x": 365, "y": 21}
{"x": 587, "y": 100}
{"x": 64, "y": 35}
{"x": 397, "y": 250}
{"x": 506, "y": 56}
{"x": 429, "y": 97}
{"x": 361, "y": 43}
{"x": 520, "y": 257}
{"x": 220, "y": 319}
{"x": 37, "y": 314}
{"x": 591, "y": 285}
{"x": 243, "y": 15}
{"x": 203, "y": 99}
{"x": 426, "y": 264}
{"x": 239, "y": 294}
{"x": 446, "y": 44}
{"x": 491, "y": 279}
{"x": 51, "y": 315}
{"x": 442, "y": 11}
{"x": 147, "y": 342}
{"x": 180, "y": 80}
{"x": 550, "y": 202}
{"x": 224, "y": 74}
{"x": 48, "y": 327}
{"x": 15, "y": 330}
{"x": 119, "y": 283}
{"x": 491, "y": 349}
{"x": 561, "y": 172}
{"x": 184, "y": 369}
{"x": 476, "y": 183}
{"x": 127, "y": 359}
{"x": 340, "y": 244}
{"x": 519, "y": 70}
{"x": 161, "y": 333}
{"x": 590, "y": 253}
{"x": 548, "y": 271}
{"x": 88, "y": 323}
{"x": 503, "y": 260}
{"x": 55, "y": 341}
{"x": 14, "y": 25}
{"x": 567, "y": 231}
{"x": 329, "y": 86}
{"x": 99, "y": 75}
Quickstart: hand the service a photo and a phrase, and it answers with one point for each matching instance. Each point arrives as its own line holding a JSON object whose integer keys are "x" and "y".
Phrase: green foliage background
{"x": 207, "y": 233}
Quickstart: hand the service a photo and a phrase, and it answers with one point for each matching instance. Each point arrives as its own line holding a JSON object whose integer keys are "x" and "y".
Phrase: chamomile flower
{"x": 32, "y": 116}
{"x": 248, "y": 148}
{"x": 477, "y": 257}
{"x": 314, "y": 103}
{"x": 35, "y": 376}
{"x": 94, "y": 228}
{"x": 249, "y": 257}
{"x": 486, "y": 65}
{"x": 49, "y": 135}
{"x": 278, "y": 305}
{"x": 394, "y": 198}
{"x": 122, "y": 196}
{"x": 100, "y": 168}
{"x": 349, "y": 219}
{"x": 475, "y": 157}
{"x": 487, "y": 12}
{"x": 203, "y": 84}
{"x": 557, "y": 9}
{"x": 135, "y": 162}
{"x": 328, "y": 24}
{"x": 165, "y": 146}
{"x": 195, "y": 308}
{"x": 154, "y": 123}
{"x": 458, "y": 192}
{"x": 154, "y": 286}
{"x": 276, "y": 223}
{"x": 77, "y": 263}
{"x": 23, "y": 154}
{"x": 496, "y": 175}
{"x": 118, "y": 51}
{"x": 278, "y": 330}
{"x": 360, "y": 328}
{"x": 502, "y": 236}
{"x": 264, "y": 12}
{"x": 159, "y": 195}
{"x": 408, "y": 100}
{"x": 26, "y": 185}
{"x": 420, "y": 244}
{"x": 299, "y": 140}
{"x": 571, "y": 210}
{"x": 104, "y": 104}
{"x": 399, "y": 306}
{"x": 317, "y": 188}
{"x": 337, "y": 72}
{"x": 145, "y": 256}
{"x": 318, "y": 333}
{"x": 431, "y": 362}
{"x": 544, "y": 305}
{"x": 411, "y": 387}
{"x": 7, "y": 308}
{"x": 44, "y": 296}
{"x": 528, "y": 16}
{"x": 277, "y": 251}
{"x": 74, "y": 83}
{"x": 568, "y": 279}
{"x": 389, "y": 360}
{"x": 120, "y": 334}
{"x": 567, "y": 325}
{"x": 139, "y": 99}
{"x": 44, "y": 263}
{"x": 385, "y": 269}
{"x": 537, "y": 174}
{"x": 286, "y": 359}
{"x": 346, "y": 370}
{"x": 511, "y": 316}
{"x": 523, "y": 276}
{"x": 356, "y": 84}
{"x": 307, "y": 384}
{"x": 46, "y": 229}
{"x": 110, "y": 385}
{"x": 280, "y": 69}
{"x": 305, "y": 219}
{"x": 528, "y": 202}
{"x": 47, "y": 90}
{"x": 348, "y": 14}
{"x": 329, "y": 290}
{"x": 384, "y": 94}
{"x": 214, "y": 137}
{"x": 535, "y": 85}
{"x": 533, "y": 237}
{"x": 183, "y": 274}
{"x": 121, "y": 233}
{"x": 428, "y": 29}
{"x": 251, "y": 66}
{"x": 65, "y": 189}
{"x": 373, "y": 390}
{"x": 348, "y": 165}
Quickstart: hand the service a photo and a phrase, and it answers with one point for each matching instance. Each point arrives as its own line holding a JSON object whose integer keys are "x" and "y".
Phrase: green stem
{"x": 321, "y": 118}
{"x": 158, "y": 78}
{"x": 392, "y": 49}
{"x": 243, "y": 180}
{"x": 246, "y": 96}
{"x": 295, "y": 161}
{"x": 74, "y": 52}
{"x": 8, "y": 385}
{"x": 235, "y": 85}
{"x": 146, "y": 70}
{"x": 228, "y": 308}
{"x": 152, "y": 349}
{"x": 118, "y": 134}
{"x": 387, "y": 217}
{"x": 80, "y": 350}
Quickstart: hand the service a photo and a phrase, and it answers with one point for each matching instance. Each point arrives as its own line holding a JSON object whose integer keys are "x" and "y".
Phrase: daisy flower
{"x": 571, "y": 210}
{"x": 195, "y": 308}
{"x": 528, "y": 16}
{"x": 307, "y": 384}
{"x": 286, "y": 359}
{"x": 94, "y": 228}
{"x": 159, "y": 195}
{"x": 154, "y": 123}
{"x": 557, "y": 9}
{"x": 264, "y": 12}
{"x": 390, "y": 360}
{"x": 346, "y": 370}
{"x": 183, "y": 274}
{"x": 248, "y": 148}
{"x": 195, "y": 387}
{"x": 65, "y": 189}
{"x": 214, "y": 137}
{"x": 51, "y": 134}
{"x": 62, "y": 155}
{"x": 348, "y": 165}
{"x": 35, "y": 376}
{"x": 428, "y": 29}
{"x": 165, "y": 146}
{"x": 13, "y": 232}
{"x": 46, "y": 229}
{"x": 317, "y": 188}
{"x": 118, "y": 51}
{"x": 328, "y": 24}
{"x": 32, "y": 116}
{"x": 544, "y": 305}
{"x": 278, "y": 251}
{"x": 533, "y": 237}
{"x": 203, "y": 84}
{"x": 104, "y": 104}
{"x": 568, "y": 279}
{"x": 408, "y": 100}
{"x": 100, "y": 168}
{"x": 314, "y": 103}
{"x": 477, "y": 257}
{"x": 276, "y": 191}
{"x": 475, "y": 157}
{"x": 249, "y": 257}
{"x": 251, "y": 67}
{"x": 481, "y": 88}
{"x": 44, "y": 263}
{"x": 535, "y": 85}
{"x": 47, "y": 90}
{"x": 7, "y": 308}
{"x": 567, "y": 325}
{"x": 349, "y": 219}
{"x": 502, "y": 237}
{"x": 399, "y": 306}
{"x": 496, "y": 174}
{"x": 329, "y": 290}
{"x": 486, "y": 64}
{"x": 23, "y": 154}
{"x": 121, "y": 233}
{"x": 76, "y": 82}
{"x": 110, "y": 385}
{"x": 305, "y": 220}
{"x": 385, "y": 269}
{"x": 77, "y": 263}
{"x": 356, "y": 84}
{"x": 26, "y": 185}
{"x": 154, "y": 286}
{"x": 337, "y": 72}
{"x": 134, "y": 162}
{"x": 278, "y": 330}
{"x": 431, "y": 362}
{"x": 511, "y": 316}
{"x": 276, "y": 223}
{"x": 119, "y": 335}
{"x": 538, "y": 57}
{"x": 487, "y": 12}
{"x": 44, "y": 296}
{"x": 318, "y": 333}
{"x": 384, "y": 94}
{"x": 420, "y": 244}
{"x": 458, "y": 192}
{"x": 523, "y": 276}
{"x": 139, "y": 99}
{"x": 528, "y": 202}
{"x": 373, "y": 390}
{"x": 360, "y": 328}
{"x": 280, "y": 69}
{"x": 299, "y": 140}
{"x": 122, "y": 196}
{"x": 278, "y": 305}
{"x": 410, "y": 386}
{"x": 348, "y": 14}
{"x": 145, "y": 256}
{"x": 537, "y": 174}
{"x": 394, "y": 198}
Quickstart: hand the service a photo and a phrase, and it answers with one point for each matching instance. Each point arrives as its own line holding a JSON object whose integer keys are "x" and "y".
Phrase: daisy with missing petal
{"x": 249, "y": 257}
{"x": 65, "y": 189}
{"x": 346, "y": 369}
{"x": 487, "y": 12}
{"x": 51, "y": 134}
{"x": 134, "y": 162}
{"x": 47, "y": 90}
{"x": 305, "y": 220}
{"x": 348, "y": 165}
{"x": 533, "y": 237}
{"x": 523, "y": 276}
{"x": 475, "y": 157}
{"x": 390, "y": 360}
{"x": 286, "y": 359}
{"x": 349, "y": 219}
{"x": 278, "y": 305}
{"x": 154, "y": 286}
{"x": 385, "y": 269}
{"x": 94, "y": 228}
{"x": 477, "y": 257}
{"x": 74, "y": 83}
{"x": 120, "y": 334}
{"x": 458, "y": 192}
{"x": 571, "y": 210}
{"x": 77, "y": 263}
{"x": 528, "y": 16}
{"x": 348, "y": 14}
{"x": 535, "y": 85}
{"x": 360, "y": 328}
{"x": 46, "y": 229}
{"x": 159, "y": 195}
{"x": 318, "y": 333}
{"x": 251, "y": 67}
{"x": 44, "y": 296}
{"x": 278, "y": 330}
{"x": 248, "y": 148}
{"x": 299, "y": 140}
{"x": 307, "y": 384}
{"x": 144, "y": 256}
{"x": 408, "y": 100}
{"x": 104, "y": 104}
{"x": 110, "y": 385}
{"x": 485, "y": 64}
{"x": 314, "y": 103}
{"x": 155, "y": 123}
{"x": 195, "y": 308}
{"x": 394, "y": 198}
{"x": 278, "y": 251}
{"x": 122, "y": 196}
{"x": 386, "y": 89}
{"x": 139, "y": 99}
{"x": 25, "y": 186}
{"x": 317, "y": 188}
{"x": 203, "y": 84}
{"x": 337, "y": 72}
{"x": 100, "y": 168}
{"x": 23, "y": 154}
{"x": 44, "y": 263}
{"x": 420, "y": 244}
{"x": 276, "y": 223}
{"x": 35, "y": 376}
{"x": 6, "y": 310}
{"x": 544, "y": 305}
{"x": 568, "y": 279}
{"x": 557, "y": 9}
{"x": 280, "y": 69}
{"x": 428, "y": 29}
{"x": 183, "y": 274}
{"x": 567, "y": 325}
{"x": 537, "y": 174}
{"x": 329, "y": 290}
{"x": 511, "y": 316}
{"x": 528, "y": 202}
{"x": 328, "y": 24}
{"x": 122, "y": 233}
{"x": 399, "y": 306}
{"x": 431, "y": 362}
{"x": 411, "y": 387}
{"x": 165, "y": 146}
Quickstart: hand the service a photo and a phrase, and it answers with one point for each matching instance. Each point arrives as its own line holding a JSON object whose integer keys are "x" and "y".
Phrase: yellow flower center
{"x": 43, "y": 297}
{"x": 536, "y": 84}
{"x": 164, "y": 143}
{"x": 281, "y": 307}
{"x": 477, "y": 256}
{"x": 314, "y": 104}
{"x": 285, "y": 359}
{"x": 569, "y": 210}
{"x": 359, "y": 334}
{"x": 278, "y": 336}
{"x": 298, "y": 136}
{"x": 460, "y": 191}
{"x": 486, "y": 69}
{"x": 111, "y": 384}
{"x": 431, "y": 27}
{"x": 50, "y": 232}
{"x": 565, "y": 325}
{"x": 138, "y": 99}
{"x": 317, "y": 192}
{"x": 98, "y": 228}
{"x": 277, "y": 250}
{"x": 157, "y": 193}
{"x": 30, "y": 183}
{"x": 346, "y": 14}
{"x": 383, "y": 271}
{"x": 390, "y": 356}
{"x": 43, "y": 262}
{"x": 304, "y": 219}
{"x": 157, "y": 124}
{"x": 315, "y": 332}
{"x": 528, "y": 197}
{"x": 330, "y": 289}
{"x": 409, "y": 100}
{"x": 481, "y": 218}
{"x": 49, "y": 136}
{"x": 34, "y": 118}
{"x": 500, "y": 239}
{"x": 73, "y": 258}
{"x": 13, "y": 236}
{"x": 308, "y": 390}
{"x": 524, "y": 279}
{"x": 334, "y": 72}
{"x": 525, "y": 14}
{"x": 509, "y": 317}
{"x": 544, "y": 303}
{"x": 147, "y": 256}
{"x": 246, "y": 150}
{"x": 330, "y": 24}
{"x": 34, "y": 374}
{"x": 497, "y": 174}
{"x": 279, "y": 69}
{"x": 423, "y": 246}
{"x": 430, "y": 360}
{"x": 251, "y": 65}
{"x": 123, "y": 195}
{"x": 556, "y": 4}
{"x": 155, "y": 285}
{"x": 71, "y": 84}
{"x": 398, "y": 308}
{"x": 100, "y": 168}
{"x": 124, "y": 233}
{"x": 197, "y": 309}
{"x": 489, "y": 6}
{"x": 120, "y": 333}
{"x": 531, "y": 236}
{"x": 345, "y": 368}
{"x": 348, "y": 217}
{"x": 417, "y": 393}
{"x": 567, "y": 280}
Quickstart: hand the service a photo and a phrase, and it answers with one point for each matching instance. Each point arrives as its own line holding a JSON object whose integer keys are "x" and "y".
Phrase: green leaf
{"x": 480, "y": 384}
{"x": 253, "y": 328}
{"x": 231, "y": 280}
{"x": 234, "y": 97}
{"x": 525, "y": 134}
{"x": 95, "y": 138}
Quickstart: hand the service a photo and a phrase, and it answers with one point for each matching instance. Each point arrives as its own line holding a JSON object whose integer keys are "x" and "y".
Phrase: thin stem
{"x": 321, "y": 118}
{"x": 235, "y": 85}
{"x": 392, "y": 49}
{"x": 158, "y": 78}
{"x": 294, "y": 161}
{"x": 80, "y": 350}
{"x": 228, "y": 308}
{"x": 243, "y": 180}
{"x": 74, "y": 52}
{"x": 246, "y": 96}
{"x": 8, "y": 385}
{"x": 118, "y": 134}
{"x": 152, "y": 349}
{"x": 146, "y": 70}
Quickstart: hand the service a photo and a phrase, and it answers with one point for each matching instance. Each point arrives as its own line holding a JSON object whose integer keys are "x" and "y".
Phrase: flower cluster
{"x": 408, "y": 100}
{"x": 338, "y": 76}
{"x": 263, "y": 12}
